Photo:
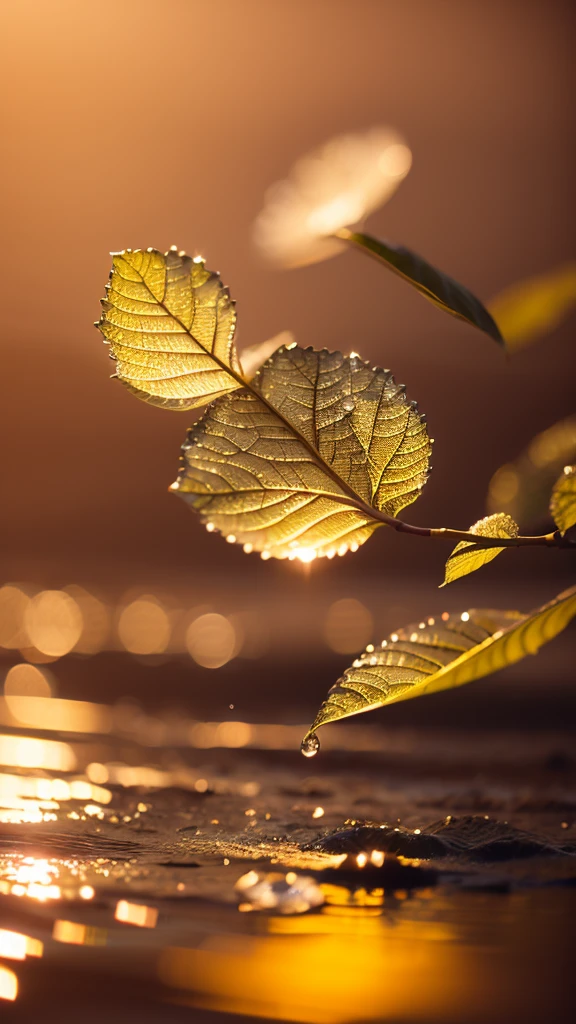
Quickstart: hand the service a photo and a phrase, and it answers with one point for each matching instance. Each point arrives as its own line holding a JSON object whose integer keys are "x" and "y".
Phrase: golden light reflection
{"x": 55, "y": 713}
{"x": 53, "y": 622}
{"x": 27, "y": 752}
{"x": 144, "y": 626}
{"x": 32, "y": 877}
{"x": 348, "y": 626}
{"x": 136, "y": 914}
{"x": 211, "y": 640}
{"x": 16, "y": 946}
{"x": 8, "y": 984}
{"x": 324, "y": 969}
{"x": 78, "y": 934}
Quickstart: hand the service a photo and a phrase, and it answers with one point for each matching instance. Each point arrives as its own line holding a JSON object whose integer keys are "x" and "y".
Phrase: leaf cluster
{"x": 303, "y": 453}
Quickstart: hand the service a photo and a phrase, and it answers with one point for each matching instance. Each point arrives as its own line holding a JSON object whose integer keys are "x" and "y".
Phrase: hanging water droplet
{"x": 310, "y": 745}
{"x": 348, "y": 404}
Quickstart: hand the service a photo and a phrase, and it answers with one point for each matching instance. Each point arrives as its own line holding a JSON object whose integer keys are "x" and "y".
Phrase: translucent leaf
{"x": 253, "y": 357}
{"x": 439, "y": 288}
{"x": 522, "y": 488}
{"x": 296, "y": 472}
{"x": 170, "y": 326}
{"x": 533, "y": 308}
{"x": 563, "y": 500}
{"x": 439, "y": 654}
{"x": 466, "y": 558}
{"x": 334, "y": 186}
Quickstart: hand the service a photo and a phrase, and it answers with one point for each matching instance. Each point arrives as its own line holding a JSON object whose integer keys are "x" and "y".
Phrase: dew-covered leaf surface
{"x": 296, "y": 472}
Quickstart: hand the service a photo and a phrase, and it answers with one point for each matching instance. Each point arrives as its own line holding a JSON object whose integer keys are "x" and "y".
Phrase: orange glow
{"x": 53, "y": 622}
{"x": 78, "y": 934}
{"x": 8, "y": 984}
{"x": 26, "y": 752}
{"x": 144, "y": 627}
{"x": 211, "y": 640}
{"x": 54, "y": 713}
{"x": 136, "y": 914}
{"x": 325, "y": 969}
{"x": 348, "y": 626}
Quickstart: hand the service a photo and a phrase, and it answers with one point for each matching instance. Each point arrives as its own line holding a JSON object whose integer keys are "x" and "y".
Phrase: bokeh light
{"x": 144, "y": 626}
{"x": 136, "y": 913}
{"x": 53, "y": 622}
{"x": 13, "y": 604}
{"x": 27, "y": 752}
{"x": 8, "y": 984}
{"x": 96, "y": 620}
{"x": 348, "y": 626}
{"x": 25, "y": 680}
{"x": 211, "y": 640}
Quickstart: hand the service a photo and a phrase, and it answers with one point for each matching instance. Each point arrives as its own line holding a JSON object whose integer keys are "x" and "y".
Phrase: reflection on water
{"x": 185, "y": 859}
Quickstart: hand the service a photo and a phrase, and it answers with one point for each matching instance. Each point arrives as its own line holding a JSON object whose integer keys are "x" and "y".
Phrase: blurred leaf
{"x": 563, "y": 500}
{"x": 440, "y": 289}
{"x": 170, "y": 325}
{"x": 253, "y": 357}
{"x": 295, "y": 473}
{"x": 463, "y": 560}
{"x": 522, "y": 488}
{"x": 438, "y": 655}
{"x": 533, "y": 308}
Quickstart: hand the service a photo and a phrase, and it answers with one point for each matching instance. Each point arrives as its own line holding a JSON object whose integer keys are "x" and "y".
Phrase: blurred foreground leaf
{"x": 533, "y": 308}
{"x": 170, "y": 326}
{"x": 465, "y": 558}
{"x": 522, "y": 488}
{"x": 443, "y": 291}
{"x": 440, "y": 654}
{"x": 295, "y": 473}
{"x": 563, "y": 500}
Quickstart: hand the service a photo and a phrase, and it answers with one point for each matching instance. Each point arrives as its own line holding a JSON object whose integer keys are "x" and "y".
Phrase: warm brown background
{"x": 136, "y": 123}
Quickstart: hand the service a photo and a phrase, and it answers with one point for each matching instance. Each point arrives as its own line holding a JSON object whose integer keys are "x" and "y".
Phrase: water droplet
{"x": 348, "y": 404}
{"x": 310, "y": 745}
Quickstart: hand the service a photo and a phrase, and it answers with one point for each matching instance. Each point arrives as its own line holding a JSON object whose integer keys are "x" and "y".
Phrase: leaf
{"x": 170, "y": 325}
{"x": 440, "y": 654}
{"x": 333, "y": 187}
{"x": 253, "y": 357}
{"x": 522, "y": 488}
{"x": 563, "y": 500}
{"x": 440, "y": 289}
{"x": 533, "y": 308}
{"x": 463, "y": 560}
{"x": 293, "y": 467}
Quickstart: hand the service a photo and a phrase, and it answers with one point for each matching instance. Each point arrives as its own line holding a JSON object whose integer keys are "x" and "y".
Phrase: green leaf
{"x": 563, "y": 500}
{"x": 440, "y": 289}
{"x": 294, "y": 466}
{"x": 170, "y": 326}
{"x": 439, "y": 654}
{"x": 467, "y": 558}
{"x": 533, "y": 308}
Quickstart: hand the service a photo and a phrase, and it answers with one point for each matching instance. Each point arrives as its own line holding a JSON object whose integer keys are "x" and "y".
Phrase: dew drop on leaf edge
{"x": 310, "y": 745}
